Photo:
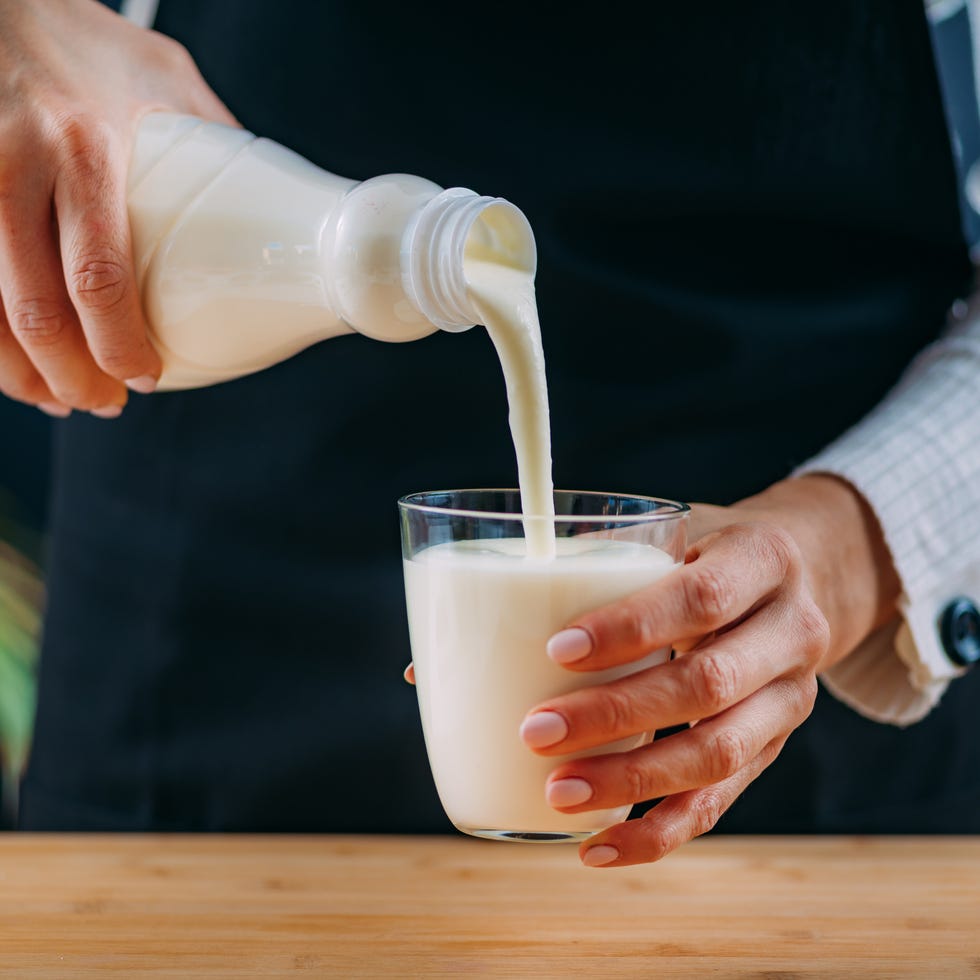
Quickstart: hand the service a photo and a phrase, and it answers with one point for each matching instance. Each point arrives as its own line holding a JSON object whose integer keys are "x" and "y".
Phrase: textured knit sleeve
{"x": 916, "y": 460}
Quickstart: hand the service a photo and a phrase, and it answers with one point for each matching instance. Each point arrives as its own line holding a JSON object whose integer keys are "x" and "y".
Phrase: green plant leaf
{"x": 21, "y": 599}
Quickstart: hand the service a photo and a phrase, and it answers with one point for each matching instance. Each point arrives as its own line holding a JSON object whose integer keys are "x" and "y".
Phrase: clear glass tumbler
{"x": 480, "y": 614}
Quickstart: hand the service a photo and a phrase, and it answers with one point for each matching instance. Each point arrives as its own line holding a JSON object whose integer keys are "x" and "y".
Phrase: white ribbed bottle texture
{"x": 247, "y": 253}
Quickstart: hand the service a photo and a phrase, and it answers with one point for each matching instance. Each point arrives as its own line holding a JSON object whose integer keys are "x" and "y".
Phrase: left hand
{"x": 773, "y": 590}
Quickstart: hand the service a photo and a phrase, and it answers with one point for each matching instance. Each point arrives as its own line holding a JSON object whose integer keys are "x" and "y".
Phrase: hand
{"x": 773, "y": 590}
{"x": 75, "y": 80}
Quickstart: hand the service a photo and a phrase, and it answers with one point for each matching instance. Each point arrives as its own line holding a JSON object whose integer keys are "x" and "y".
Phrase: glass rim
{"x": 671, "y": 510}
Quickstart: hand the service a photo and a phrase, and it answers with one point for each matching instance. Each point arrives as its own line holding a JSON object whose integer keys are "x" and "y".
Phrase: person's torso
{"x": 746, "y": 222}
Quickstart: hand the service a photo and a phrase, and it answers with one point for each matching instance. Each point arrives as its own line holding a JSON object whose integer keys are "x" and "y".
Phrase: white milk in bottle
{"x": 246, "y": 253}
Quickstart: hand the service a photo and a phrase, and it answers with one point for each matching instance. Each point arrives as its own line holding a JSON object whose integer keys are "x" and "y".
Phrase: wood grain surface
{"x": 242, "y": 907}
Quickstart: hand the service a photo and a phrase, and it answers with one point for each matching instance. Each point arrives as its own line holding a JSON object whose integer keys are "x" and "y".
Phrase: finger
{"x": 781, "y": 637}
{"x": 727, "y": 574}
{"x": 409, "y": 674}
{"x": 96, "y": 249}
{"x": 19, "y": 378}
{"x": 38, "y": 311}
{"x": 708, "y": 753}
{"x": 673, "y": 822}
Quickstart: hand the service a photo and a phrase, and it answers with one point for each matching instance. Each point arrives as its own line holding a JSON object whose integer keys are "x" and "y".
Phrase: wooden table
{"x": 773, "y": 908}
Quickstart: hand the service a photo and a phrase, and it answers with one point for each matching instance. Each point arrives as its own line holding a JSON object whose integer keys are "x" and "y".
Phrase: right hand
{"x": 75, "y": 81}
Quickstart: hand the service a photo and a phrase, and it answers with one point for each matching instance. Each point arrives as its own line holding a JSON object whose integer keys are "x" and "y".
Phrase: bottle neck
{"x": 452, "y": 226}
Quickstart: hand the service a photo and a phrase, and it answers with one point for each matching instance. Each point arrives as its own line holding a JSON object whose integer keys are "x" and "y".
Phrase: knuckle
{"x": 714, "y": 681}
{"x": 806, "y": 697}
{"x": 726, "y": 754}
{"x": 797, "y": 694}
{"x": 779, "y": 548}
{"x": 99, "y": 282}
{"x": 635, "y": 782}
{"x": 177, "y": 51}
{"x": 815, "y": 630}
{"x": 613, "y": 712}
{"x": 635, "y": 624}
{"x": 171, "y": 52}
{"x": 658, "y": 841}
{"x": 38, "y": 322}
{"x": 710, "y": 596}
{"x": 707, "y": 809}
{"x": 79, "y": 139}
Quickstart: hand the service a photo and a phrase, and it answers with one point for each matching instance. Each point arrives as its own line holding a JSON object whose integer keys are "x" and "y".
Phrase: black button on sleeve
{"x": 959, "y": 629}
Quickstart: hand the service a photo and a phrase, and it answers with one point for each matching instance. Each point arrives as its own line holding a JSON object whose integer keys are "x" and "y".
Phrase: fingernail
{"x": 144, "y": 385}
{"x": 55, "y": 409}
{"x": 568, "y": 792}
{"x": 543, "y": 729}
{"x": 596, "y": 857}
{"x": 570, "y": 645}
{"x": 108, "y": 412}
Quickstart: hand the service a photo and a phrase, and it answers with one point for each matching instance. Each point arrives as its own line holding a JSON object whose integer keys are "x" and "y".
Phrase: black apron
{"x": 747, "y": 224}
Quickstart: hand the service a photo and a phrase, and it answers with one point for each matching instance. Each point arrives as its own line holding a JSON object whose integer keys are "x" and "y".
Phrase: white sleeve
{"x": 916, "y": 460}
{"x": 141, "y": 12}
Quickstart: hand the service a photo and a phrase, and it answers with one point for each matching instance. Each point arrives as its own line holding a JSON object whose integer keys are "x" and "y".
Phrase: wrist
{"x": 848, "y": 565}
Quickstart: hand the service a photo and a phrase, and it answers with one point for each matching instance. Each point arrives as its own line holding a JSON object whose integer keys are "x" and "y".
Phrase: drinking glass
{"x": 480, "y": 613}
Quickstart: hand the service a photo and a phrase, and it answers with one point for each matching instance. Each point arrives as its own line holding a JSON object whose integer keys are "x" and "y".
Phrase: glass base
{"x": 530, "y": 837}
